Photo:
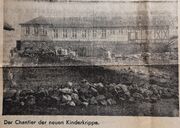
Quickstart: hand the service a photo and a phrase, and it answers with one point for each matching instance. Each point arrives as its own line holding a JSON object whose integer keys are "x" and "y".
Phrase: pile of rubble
{"x": 85, "y": 93}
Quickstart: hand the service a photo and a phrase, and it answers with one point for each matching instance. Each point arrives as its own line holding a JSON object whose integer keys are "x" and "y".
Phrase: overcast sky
{"x": 23, "y": 11}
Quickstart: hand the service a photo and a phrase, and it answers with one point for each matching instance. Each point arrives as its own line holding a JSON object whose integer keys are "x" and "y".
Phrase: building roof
{"x": 92, "y": 21}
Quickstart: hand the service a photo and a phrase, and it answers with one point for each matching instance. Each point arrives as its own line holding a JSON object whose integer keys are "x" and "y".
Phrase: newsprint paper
{"x": 89, "y": 63}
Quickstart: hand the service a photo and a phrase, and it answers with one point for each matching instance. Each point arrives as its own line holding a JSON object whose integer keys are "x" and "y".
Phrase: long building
{"x": 87, "y": 35}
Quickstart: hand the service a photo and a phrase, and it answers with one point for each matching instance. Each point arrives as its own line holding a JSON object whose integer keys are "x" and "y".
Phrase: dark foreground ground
{"x": 164, "y": 108}
{"x": 164, "y": 76}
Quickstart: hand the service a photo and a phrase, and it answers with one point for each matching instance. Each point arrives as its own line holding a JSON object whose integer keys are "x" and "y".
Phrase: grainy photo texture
{"x": 108, "y": 58}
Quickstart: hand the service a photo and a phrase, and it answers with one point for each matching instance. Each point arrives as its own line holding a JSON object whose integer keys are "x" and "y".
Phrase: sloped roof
{"x": 71, "y": 22}
{"x": 88, "y": 21}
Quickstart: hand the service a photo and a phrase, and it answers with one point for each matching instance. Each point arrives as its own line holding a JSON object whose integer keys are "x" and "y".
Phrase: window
{"x": 44, "y": 31}
{"x": 27, "y": 31}
{"x": 103, "y": 33}
{"x": 84, "y": 33}
{"x": 55, "y": 33}
{"x": 64, "y": 33}
{"x": 132, "y": 36}
{"x": 121, "y": 30}
{"x": 36, "y": 32}
{"x": 94, "y": 33}
{"x": 112, "y": 32}
{"x": 74, "y": 33}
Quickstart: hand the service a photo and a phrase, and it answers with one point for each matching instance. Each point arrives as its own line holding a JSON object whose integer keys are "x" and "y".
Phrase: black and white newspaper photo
{"x": 89, "y": 63}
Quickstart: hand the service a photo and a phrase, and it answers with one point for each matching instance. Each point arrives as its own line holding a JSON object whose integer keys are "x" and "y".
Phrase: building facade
{"x": 112, "y": 34}
{"x": 71, "y": 29}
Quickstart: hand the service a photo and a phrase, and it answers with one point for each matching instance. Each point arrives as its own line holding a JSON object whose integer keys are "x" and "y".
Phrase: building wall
{"x": 122, "y": 34}
{"x": 93, "y": 41}
{"x": 28, "y": 32}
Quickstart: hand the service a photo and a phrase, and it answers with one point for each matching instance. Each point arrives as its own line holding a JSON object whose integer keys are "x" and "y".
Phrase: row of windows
{"x": 160, "y": 34}
{"x": 36, "y": 31}
{"x": 84, "y": 33}
{"x": 43, "y": 31}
